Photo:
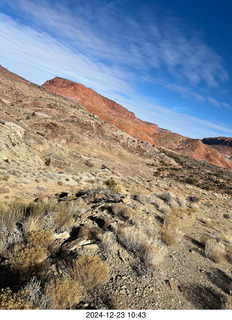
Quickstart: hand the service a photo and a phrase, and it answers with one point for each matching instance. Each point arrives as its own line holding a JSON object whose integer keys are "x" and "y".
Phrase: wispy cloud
{"x": 110, "y": 52}
{"x": 101, "y": 31}
{"x": 214, "y": 102}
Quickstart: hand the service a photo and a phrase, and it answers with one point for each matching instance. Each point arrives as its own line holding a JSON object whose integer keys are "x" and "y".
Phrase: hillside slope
{"x": 125, "y": 120}
{"x": 92, "y": 218}
{"x": 104, "y": 108}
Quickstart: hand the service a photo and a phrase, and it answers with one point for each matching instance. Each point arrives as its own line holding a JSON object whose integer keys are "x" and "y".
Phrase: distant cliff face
{"x": 222, "y": 144}
{"x": 220, "y": 141}
{"x": 123, "y": 119}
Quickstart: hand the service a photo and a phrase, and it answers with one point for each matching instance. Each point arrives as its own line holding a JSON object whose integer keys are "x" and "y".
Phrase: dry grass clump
{"x": 172, "y": 219}
{"x": 108, "y": 241}
{"x": 171, "y": 236}
{"x": 27, "y": 259}
{"x": 123, "y": 211}
{"x": 89, "y": 272}
{"x": 8, "y": 239}
{"x": 215, "y": 250}
{"x": 62, "y": 293}
{"x": 170, "y": 233}
{"x": 204, "y": 239}
{"x": 33, "y": 223}
{"x": 149, "y": 251}
{"x": 169, "y": 199}
{"x": 40, "y": 238}
{"x": 15, "y": 301}
{"x": 9, "y": 215}
{"x": 63, "y": 218}
{"x": 34, "y": 293}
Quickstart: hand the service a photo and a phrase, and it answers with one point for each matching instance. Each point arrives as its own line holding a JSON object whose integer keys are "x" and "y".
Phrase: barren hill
{"x": 92, "y": 218}
{"x": 125, "y": 120}
{"x": 105, "y": 108}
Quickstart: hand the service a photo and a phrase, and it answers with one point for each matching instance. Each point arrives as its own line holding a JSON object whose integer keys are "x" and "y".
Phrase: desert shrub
{"x": 160, "y": 205}
{"x": 110, "y": 183}
{"x": 108, "y": 241}
{"x": 204, "y": 239}
{"x": 172, "y": 220}
{"x": 215, "y": 250}
{"x": 149, "y": 251}
{"x": 9, "y": 232}
{"x": 171, "y": 236}
{"x": 123, "y": 211}
{"x": 169, "y": 199}
{"x": 193, "y": 199}
{"x": 62, "y": 293}
{"x": 42, "y": 238}
{"x": 190, "y": 180}
{"x": 89, "y": 272}
{"x": 15, "y": 301}
{"x": 34, "y": 293}
{"x": 48, "y": 216}
{"x": 28, "y": 258}
{"x": 170, "y": 233}
{"x": 181, "y": 202}
{"x": 47, "y": 162}
{"x": 40, "y": 208}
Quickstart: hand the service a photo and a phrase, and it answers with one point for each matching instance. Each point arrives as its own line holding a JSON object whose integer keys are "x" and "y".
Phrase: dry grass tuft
{"x": 108, "y": 241}
{"x": 149, "y": 251}
{"x": 89, "y": 272}
{"x": 9, "y": 215}
{"x": 40, "y": 238}
{"x": 171, "y": 236}
{"x": 123, "y": 211}
{"x": 33, "y": 223}
{"x": 215, "y": 250}
{"x": 62, "y": 293}
{"x": 63, "y": 218}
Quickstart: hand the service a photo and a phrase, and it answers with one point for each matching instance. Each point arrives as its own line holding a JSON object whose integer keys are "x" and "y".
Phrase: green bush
{"x": 110, "y": 183}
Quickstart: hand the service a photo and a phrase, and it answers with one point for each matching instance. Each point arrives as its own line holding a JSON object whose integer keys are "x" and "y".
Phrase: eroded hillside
{"x": 125, "y": 120}
{"x": 92, "y": 218}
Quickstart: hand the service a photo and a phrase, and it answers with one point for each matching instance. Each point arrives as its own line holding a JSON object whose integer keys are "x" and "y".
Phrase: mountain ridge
{"x": 112, "y": 112}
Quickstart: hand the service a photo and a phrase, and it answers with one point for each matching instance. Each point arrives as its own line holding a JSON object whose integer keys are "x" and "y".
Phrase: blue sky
{"x": 168, "y": 61}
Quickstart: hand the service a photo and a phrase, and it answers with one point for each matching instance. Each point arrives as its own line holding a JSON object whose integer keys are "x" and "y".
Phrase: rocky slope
{"x": 152, "y": 228}
{"x": 125, "y": 120}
